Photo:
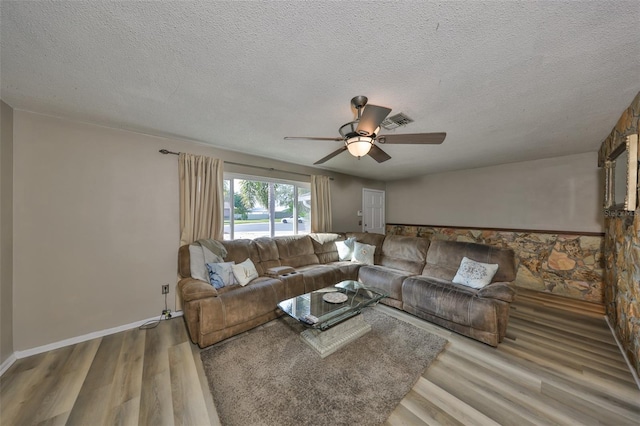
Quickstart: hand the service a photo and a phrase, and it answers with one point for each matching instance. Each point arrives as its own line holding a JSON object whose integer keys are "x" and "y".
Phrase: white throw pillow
{"x": 363, "y": 253}
{"x": 245, "y": 272}
{"x": 475, "y": 274}
{"x": 345, "y": 248}
{"x": 221, "y": 274}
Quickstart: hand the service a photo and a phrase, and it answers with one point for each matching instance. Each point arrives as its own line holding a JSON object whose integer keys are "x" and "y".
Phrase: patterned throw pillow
{"x": 221, "y": 274}
{"x": 363, "y": 253}
{"x": 245, "y": 272}
{"x": 345, "y": 248}
{"x": 475, "y": 274}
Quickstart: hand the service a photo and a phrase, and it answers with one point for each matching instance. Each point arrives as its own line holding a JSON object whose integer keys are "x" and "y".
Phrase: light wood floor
{"x": 559, "y": 365}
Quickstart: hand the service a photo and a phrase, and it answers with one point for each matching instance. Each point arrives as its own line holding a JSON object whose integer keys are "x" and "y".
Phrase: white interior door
{"x": 373, "y": 211}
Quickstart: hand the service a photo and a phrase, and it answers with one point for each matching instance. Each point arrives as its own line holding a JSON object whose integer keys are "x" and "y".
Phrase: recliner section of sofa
{"x": 399, "y": 258}
{"x": 481, "y": 314}
{"x": 415, "y": 272}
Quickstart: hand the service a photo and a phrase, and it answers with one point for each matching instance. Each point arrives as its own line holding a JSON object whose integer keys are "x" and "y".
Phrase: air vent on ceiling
{"x": 396, "y": 121}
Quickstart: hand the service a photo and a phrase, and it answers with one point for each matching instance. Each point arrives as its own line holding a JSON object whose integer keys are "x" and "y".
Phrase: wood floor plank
{"x": 482, "y": 398}
{"x": 93, "y": 400}
{"x": 620, "y": 391}
{"x": 558, "y": 365}
{"x": 33, "y": 402}
{"x": 566, "y": 304}
{"x": 126, "y": 413}
{"x": 124, "y": 399}
{"x": 560, "y": 349}
{"x": 609, "y": 351}
{"x": 427, "y": 411}
{"x": 204, "y": 386}
{"x": 189, "y": 407}
{"x": 583, "y": 403}
{"x": 402, "y": 416}
{"x": 156, "y": 405}
{"x": 530, "y": 399}
{"x": 557, "y": 323}
{"x": 69, "y": 382}
{"x": 458, "y": 410}
{"x": 59, "y": 420}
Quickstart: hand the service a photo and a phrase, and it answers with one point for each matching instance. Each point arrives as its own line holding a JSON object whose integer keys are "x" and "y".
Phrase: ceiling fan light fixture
{"x": 359, "y": 146}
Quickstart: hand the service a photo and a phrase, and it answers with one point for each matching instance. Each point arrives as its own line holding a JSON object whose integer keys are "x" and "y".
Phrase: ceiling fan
{"x": 360, "y": 134}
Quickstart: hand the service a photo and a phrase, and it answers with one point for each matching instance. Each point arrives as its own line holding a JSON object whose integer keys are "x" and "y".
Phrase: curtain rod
{"x": 271, "y": 169}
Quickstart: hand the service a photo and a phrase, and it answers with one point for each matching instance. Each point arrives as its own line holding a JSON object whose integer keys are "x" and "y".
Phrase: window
{"x": 259, "y": 207}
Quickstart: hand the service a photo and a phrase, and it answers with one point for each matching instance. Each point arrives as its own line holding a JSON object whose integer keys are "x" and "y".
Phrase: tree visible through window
{"x": 266, "y": 208}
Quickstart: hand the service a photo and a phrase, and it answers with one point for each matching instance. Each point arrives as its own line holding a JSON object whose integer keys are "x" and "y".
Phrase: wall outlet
{"x": 165, "y": 289}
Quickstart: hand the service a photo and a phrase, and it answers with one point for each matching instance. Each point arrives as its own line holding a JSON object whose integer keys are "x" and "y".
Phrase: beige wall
{"x": 6, "y": 231}
{"x": 562, "y": 193}
{"x": 96, "y": 224}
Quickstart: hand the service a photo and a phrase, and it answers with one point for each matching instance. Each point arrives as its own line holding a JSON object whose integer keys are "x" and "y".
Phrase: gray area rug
{"x": 269, "y": 376}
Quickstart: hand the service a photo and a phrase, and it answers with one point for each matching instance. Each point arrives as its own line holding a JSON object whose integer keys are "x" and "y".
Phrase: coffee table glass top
{"x": 313, "y": 309}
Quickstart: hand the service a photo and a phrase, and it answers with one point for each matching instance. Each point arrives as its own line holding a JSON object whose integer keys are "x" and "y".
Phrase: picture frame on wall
{"x": 621, "y": 176}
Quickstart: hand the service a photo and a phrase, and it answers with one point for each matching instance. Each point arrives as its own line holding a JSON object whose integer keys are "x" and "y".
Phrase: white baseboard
{"x": 622, "y": 351}
{"x": 85, "y": 337}
{"x": 7, "y": 363}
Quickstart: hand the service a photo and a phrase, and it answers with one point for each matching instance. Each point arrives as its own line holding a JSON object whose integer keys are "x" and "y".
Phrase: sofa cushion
{"x": 245, "y": 303}
{"x": 192, "y": 289}
{"x": 324, "y": 246}
{"x": 318, "y": 276}
{"x": 452, "y": 302}
{"x": 239, "y": 250}
{"x": 386, "y": 279}
{"x": 449, "y": 254}
{"x": 296, "y": 251}
{"x": 344, "y": 270}
{"x": 440, "y": 272}
{"x": 500, "y": 291}
{"x": 404, "y": 253}
{"x": 184, "y": 261}
{"x": 268, "y": 253}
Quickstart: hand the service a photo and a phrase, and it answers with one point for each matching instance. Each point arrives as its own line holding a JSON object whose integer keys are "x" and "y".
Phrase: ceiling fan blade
{"x": 413, "y": 138}
{"x": 330, "y": 156}
{"x": 378, "y": 154}
{"x": 371, "y": 118}
{"x": 289, "y": 138}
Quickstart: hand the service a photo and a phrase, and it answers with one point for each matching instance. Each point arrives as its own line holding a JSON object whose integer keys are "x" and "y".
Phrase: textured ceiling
{"x": 508, "y": 81}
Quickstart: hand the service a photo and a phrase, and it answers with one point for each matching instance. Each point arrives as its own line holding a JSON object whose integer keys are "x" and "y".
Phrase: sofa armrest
{"x": 499, "y": 290}
{"x": 192, "y": 289}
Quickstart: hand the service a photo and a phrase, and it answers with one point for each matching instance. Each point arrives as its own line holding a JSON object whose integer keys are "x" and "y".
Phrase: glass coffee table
{"x": 332, "y": 314}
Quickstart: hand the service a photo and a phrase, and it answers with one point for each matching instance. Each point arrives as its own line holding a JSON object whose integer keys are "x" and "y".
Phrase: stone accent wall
{"x": 567, "y": 265}
{"x": 622, "y": 252}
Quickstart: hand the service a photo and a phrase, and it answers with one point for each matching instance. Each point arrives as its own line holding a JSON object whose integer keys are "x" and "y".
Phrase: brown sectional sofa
{"x": 415, "y": 272}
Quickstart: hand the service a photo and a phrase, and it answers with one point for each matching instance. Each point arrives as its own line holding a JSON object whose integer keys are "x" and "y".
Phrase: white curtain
{"x": 201, "y": 198}
{"x": 321, "y": 204}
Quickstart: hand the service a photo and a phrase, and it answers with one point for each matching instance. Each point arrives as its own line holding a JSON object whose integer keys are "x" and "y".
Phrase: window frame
{"x": 232, "y": 176}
